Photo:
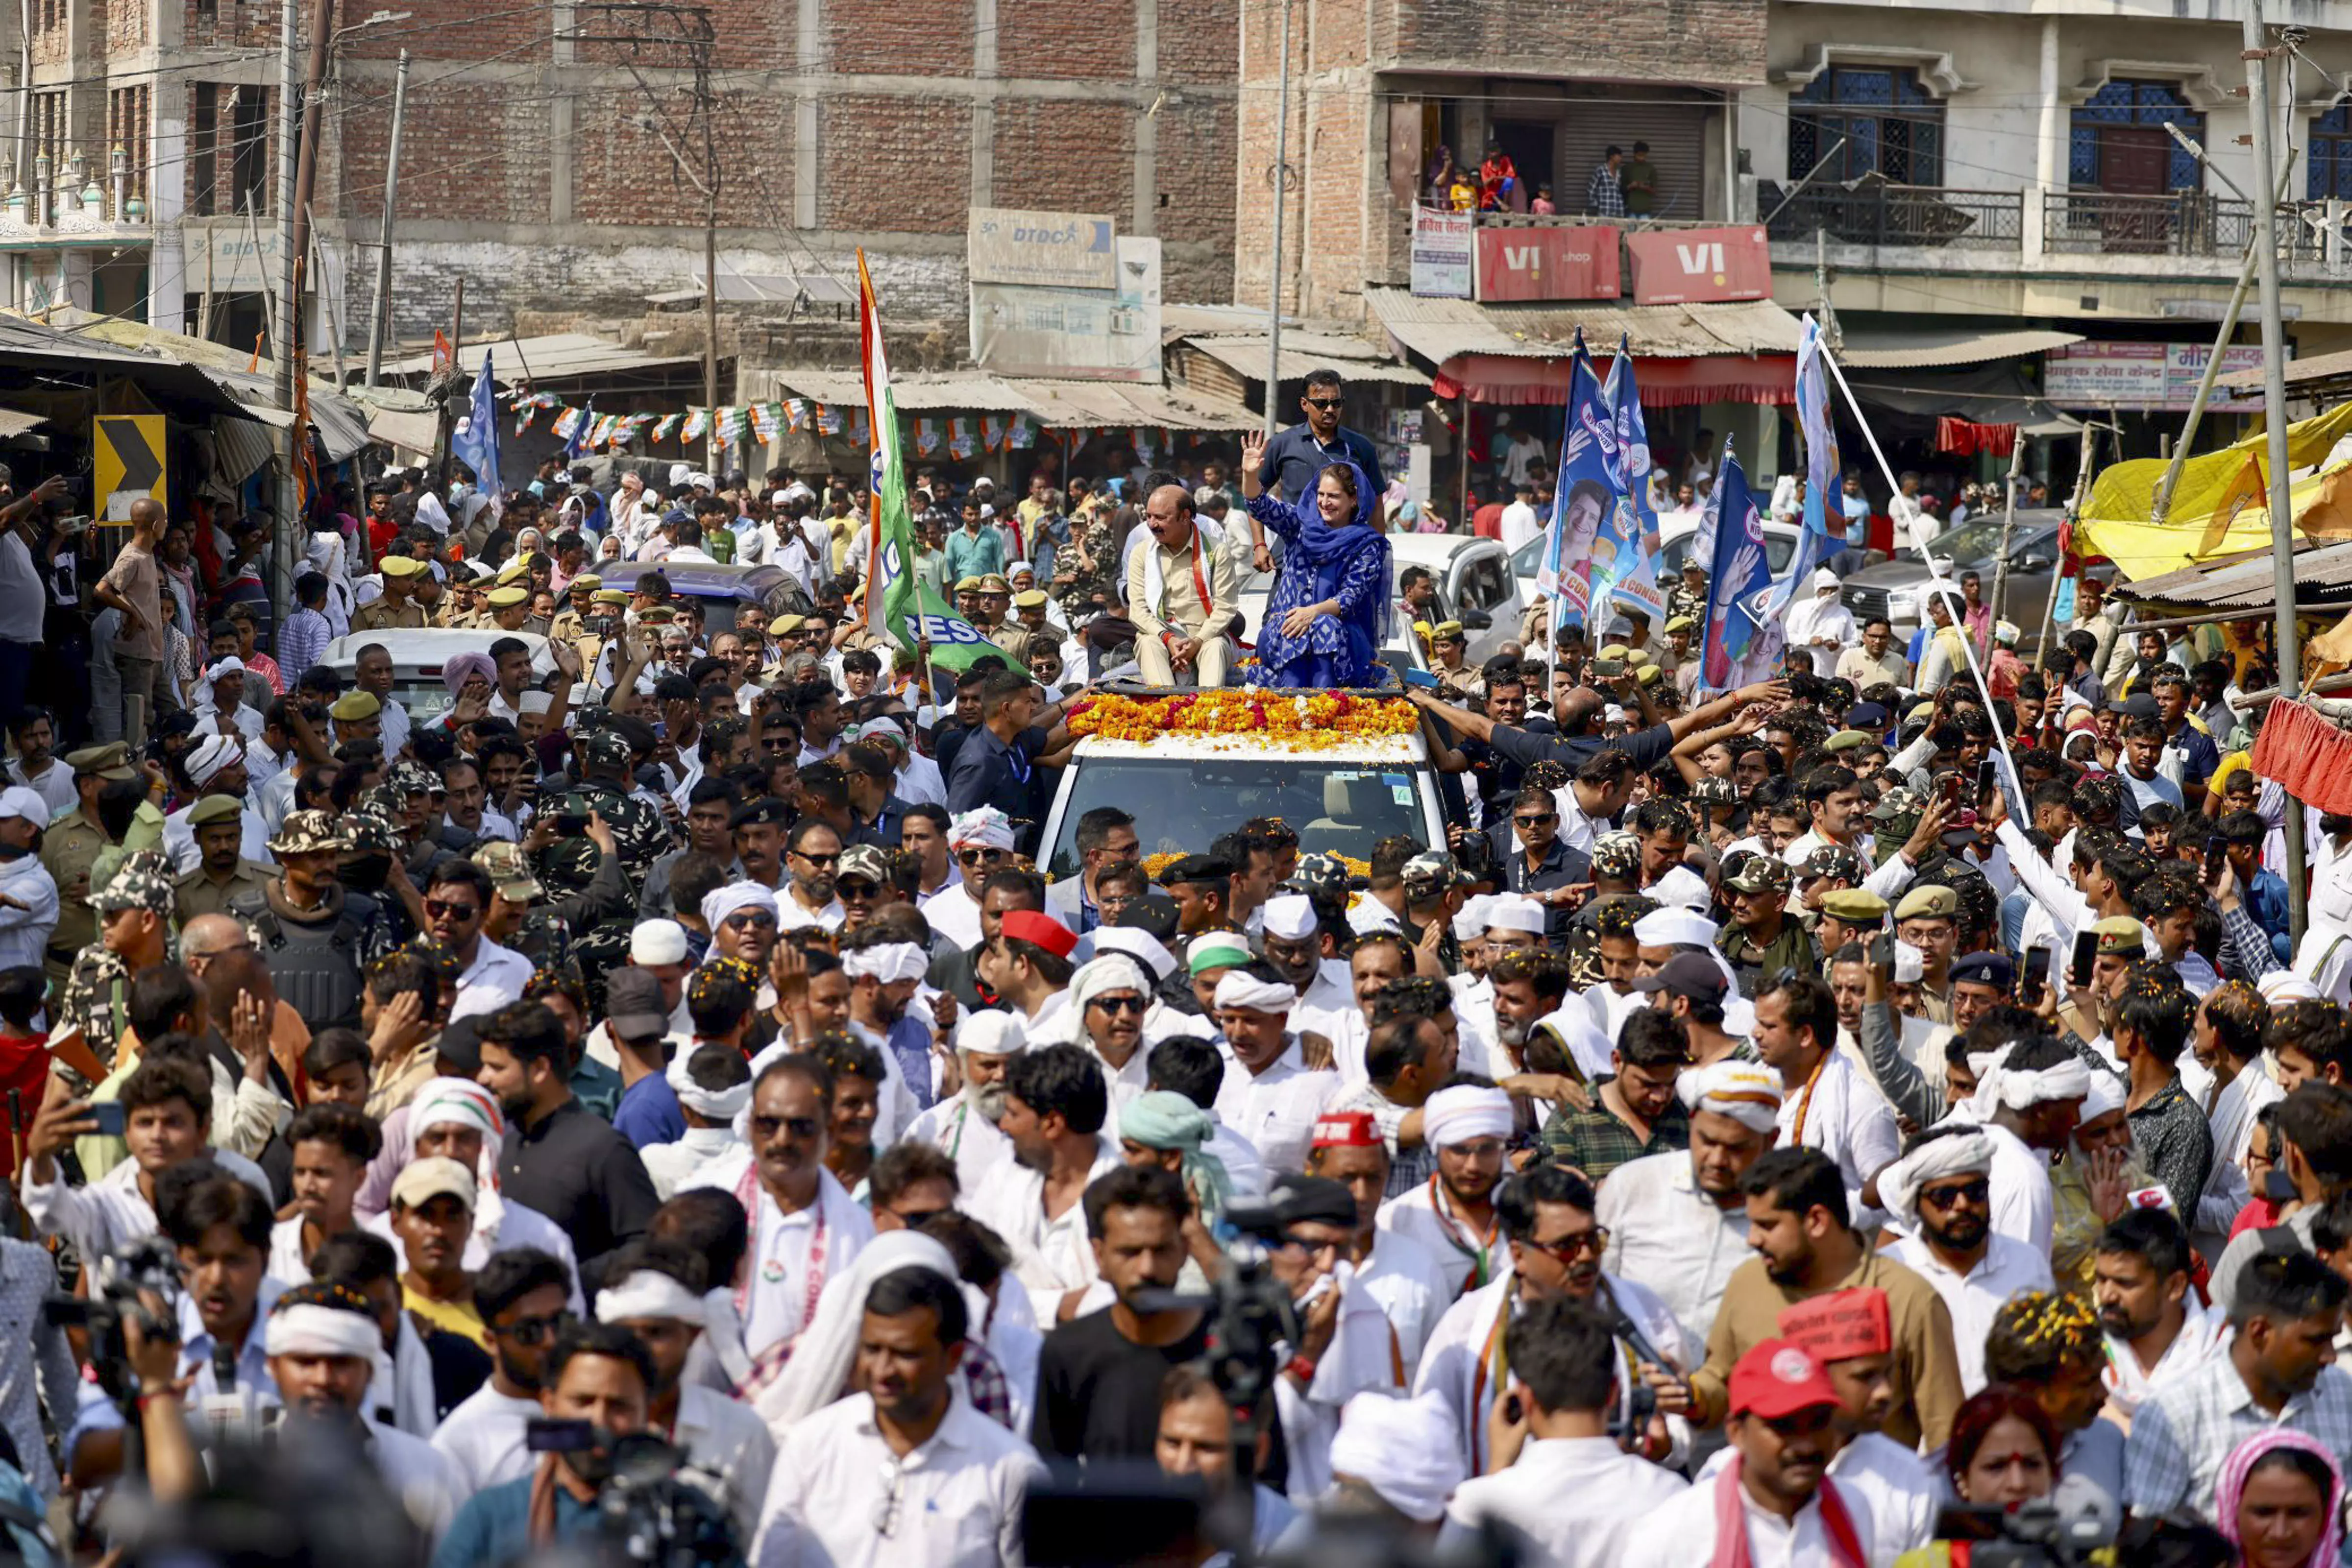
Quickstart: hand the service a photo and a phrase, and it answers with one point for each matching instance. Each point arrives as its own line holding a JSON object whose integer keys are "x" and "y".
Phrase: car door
{"x": 1480, "y": 586}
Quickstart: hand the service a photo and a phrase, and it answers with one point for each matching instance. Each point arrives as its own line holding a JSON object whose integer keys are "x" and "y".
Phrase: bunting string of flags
{"x": 961, "y": 436}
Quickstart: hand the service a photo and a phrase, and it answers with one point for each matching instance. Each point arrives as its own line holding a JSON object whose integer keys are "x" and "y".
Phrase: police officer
{"x": 71, "y": 845}
{"x": 222, "y": 872}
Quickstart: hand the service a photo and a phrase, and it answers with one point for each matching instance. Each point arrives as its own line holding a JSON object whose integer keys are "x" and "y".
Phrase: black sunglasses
{"x": 1321, "y": 401}
{"x": 1120, "y": 1004}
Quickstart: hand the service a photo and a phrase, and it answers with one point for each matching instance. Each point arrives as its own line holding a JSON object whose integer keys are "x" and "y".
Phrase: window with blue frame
{"x": 2133, "y": 103}
{"x": 1891, "y": 127}
{"x": 2330, "y": 177}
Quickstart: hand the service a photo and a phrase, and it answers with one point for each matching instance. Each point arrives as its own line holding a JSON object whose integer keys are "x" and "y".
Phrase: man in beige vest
{"x": 1181, "y": 591}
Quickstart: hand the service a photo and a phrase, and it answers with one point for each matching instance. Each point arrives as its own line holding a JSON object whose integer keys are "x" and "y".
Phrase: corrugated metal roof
{"x": 1055, "y": 404}
{"x": 2318, "y": 368}
{"x": 1245, "y": 354}
{"x": 1925, "y": 348}
{"x": 1441, "y": 330}
{"x": 13, "y": 422}
{"x": 2249, "y": 581}
{"x": 933, "y": 394}
{"x": 561, "y": 357}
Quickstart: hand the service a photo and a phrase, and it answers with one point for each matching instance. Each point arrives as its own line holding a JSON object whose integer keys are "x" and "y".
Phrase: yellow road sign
{"x": 128, "y": 448}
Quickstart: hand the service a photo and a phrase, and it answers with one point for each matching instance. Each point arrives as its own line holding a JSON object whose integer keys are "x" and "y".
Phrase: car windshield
{"x": 1184, "y": 803}
{"x": 1778, "y": 548}
{"x": 424, "y": 696}
{"x": 1978, "y": 544}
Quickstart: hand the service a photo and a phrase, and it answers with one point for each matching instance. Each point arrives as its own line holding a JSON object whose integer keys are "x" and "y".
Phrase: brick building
{"x": 532, "y": 164}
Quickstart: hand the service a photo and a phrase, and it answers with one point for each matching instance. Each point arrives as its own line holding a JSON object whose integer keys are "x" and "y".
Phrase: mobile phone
{"x": 661, "y": 730}
{"x": 1951, "y": 790}
{"x": 110, "y": 1117}
{"x": 2035, "y": 978}
{"x": 2087, "y": 951}
{"x": 1988, "y": 778}
{"x": 2217, "y": 854}
{"x": 1882, "y": 951}
{"x": 1422, "y": 679}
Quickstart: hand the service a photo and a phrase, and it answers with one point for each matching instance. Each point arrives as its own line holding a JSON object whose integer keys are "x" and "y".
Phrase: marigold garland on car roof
{"x": 1301, "y": 721}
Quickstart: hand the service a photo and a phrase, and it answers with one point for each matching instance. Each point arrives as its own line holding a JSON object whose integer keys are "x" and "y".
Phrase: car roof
{"x": 720, "y": 580}
{"x": 429, "y": 647}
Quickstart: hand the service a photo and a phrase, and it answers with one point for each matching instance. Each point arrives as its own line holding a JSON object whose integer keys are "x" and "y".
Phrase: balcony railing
{"x": 1929, "y": 216}
{"x": 2185, "y": 223}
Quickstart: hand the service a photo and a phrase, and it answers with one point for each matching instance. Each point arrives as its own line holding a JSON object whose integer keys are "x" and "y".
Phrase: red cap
{"x": 1042, "y": 930}
{"x": 1777, "y": 1378}
{"x": 1840, "y": 1325}
{"x": 1346, "y": 1130}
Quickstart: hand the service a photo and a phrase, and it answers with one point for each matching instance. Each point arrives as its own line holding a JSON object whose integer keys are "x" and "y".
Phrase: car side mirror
{"x": 2033, "y": 563}
{"x": 1477, "y": 620}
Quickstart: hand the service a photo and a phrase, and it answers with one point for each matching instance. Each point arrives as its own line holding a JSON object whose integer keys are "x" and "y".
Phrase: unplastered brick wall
{"x": 1703, "y": 41}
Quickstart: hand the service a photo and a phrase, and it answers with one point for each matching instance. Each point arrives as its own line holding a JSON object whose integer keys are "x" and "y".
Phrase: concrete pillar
{"x": 2049, "y": 148}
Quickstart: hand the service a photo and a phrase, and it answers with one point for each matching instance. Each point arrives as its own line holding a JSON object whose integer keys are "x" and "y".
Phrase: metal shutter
{"x": 1678, "y": 134}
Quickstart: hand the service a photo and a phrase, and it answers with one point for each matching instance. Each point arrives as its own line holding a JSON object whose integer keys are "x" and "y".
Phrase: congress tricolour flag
{"x": 908, "y": 612}
{"x": 1632, "y": 578}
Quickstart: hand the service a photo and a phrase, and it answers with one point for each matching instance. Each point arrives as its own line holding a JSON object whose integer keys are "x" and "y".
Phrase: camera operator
{"x": 1555, "y": 1473}
{"x": 907, "y": 1462}
{"x": 221, "y": 1228}
{"x": 323, "y": 1341}
{"x": 657, "y": 1295}
{"x": 1196, "y": 1439}
{"x": 599, "y": 1374}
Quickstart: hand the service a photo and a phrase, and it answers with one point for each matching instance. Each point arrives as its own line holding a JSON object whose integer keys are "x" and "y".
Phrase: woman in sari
{"x": 1327, "y": 616}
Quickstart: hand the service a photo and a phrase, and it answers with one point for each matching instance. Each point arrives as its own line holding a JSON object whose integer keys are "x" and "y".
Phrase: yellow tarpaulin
{"x": 2115, "y": 520}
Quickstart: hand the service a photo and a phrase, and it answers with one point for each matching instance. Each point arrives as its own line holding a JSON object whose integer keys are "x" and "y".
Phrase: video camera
{"x": 150, "y": 1265}
{"x": 2061, "y": 1530}
{"x": 653, "y": 1507}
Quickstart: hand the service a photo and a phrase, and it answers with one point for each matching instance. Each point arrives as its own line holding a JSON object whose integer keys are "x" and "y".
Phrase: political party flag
{"x": 575, "y": 442}
{"x": 1633, "y": 577}
{"x": 1742, "y": 640}
{"x": 909, "y": 612}
{"x": 1584, "y": 501}
{"x": 1814, "y": 543}
{"x": 477, "y": 445}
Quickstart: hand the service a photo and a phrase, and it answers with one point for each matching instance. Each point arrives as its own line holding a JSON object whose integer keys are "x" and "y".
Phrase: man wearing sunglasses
{"x": 457, "y": 900}
{"x": 812, "y": 856}
{"x": 1295, "y": 457}
{"x": 1941, "y": 1190}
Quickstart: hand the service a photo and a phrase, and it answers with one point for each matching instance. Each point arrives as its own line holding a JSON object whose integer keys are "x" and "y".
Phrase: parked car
{"x": 725, "y": 592}
{"x": 1891, "y": 589}
{"x": 1475, "y": 586}
{"x": 419, "y": 654}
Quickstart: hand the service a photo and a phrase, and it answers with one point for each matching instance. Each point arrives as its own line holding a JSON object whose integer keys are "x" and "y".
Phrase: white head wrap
{"x": 1404, "y": 1450}
{"x": 818, "y": 1372}
{"x": 1455, "y": 1116}
{"x": 2000, "y": 1084}
{"x": 205, "y": 762}
{"x": 1683, "y": 887}
{"x": 888, "y": 962}
{"x": 1747, "y": 1093}
{"x": 1674, "y": 928}
{"x": 649, "y": 1293}
{"x": 992, "y": 1034}
{"x": 1516, "y": 911}
{"x": 983, "y": 827}
{"x": 432, "y": 513}
{"x": 366, "y": 591}
{"x": 2107, "y": 1095}
{"x": 1239, "y": 990}
{"x": 1290, "y": 917}
{"x": 720, "y": 1105}
{"x": 1110, "y": 972}
{"x": 1955, "y": 1154}
{"x": 535, "y": 701}
{"x": 1138, "y": 945}
{"x": 1825, "y": 577}
{"x": 307, "y": 1328}
{"x": 231, "y": 665}
{"x": 721, "y": 902}
{"x": 1370, "y": 915}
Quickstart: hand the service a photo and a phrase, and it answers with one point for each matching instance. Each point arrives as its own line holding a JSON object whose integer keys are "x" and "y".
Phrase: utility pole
{"x": 1274, "y": 261}
{"x": 2290, "y": 651}
{"x": 289, "y": 302}
{"x": 379, "y": 323}
{"x": 306, "y": 167}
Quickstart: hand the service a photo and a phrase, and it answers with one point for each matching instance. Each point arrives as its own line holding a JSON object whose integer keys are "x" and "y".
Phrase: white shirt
{"x": 25, "y": 933}
{"x": 56, "y": 787}
{"x": 727, "y": 1438}
{"x": 793, "y": 916}
{"x": 1974, "y": 1298}
{"x": 109, "y": 1213}
{"x": 920, "y": 783}
{"x": 1667, "y": 1233}
{"x": 496, "y": 972}
{"x": 1683, "y": 1533}
{"x": 2022, "y": 1202}
{"x": 1446, "y": 1236}
{"x": 1518, "y": 525}
{"x": 1404, "y": 1277}
{"x": 1848, "y": 1120}
{"x": 953, "y": 1502}
{"x": 483, "y": 1436}
{"x": 1275, "y": 1108}
{"x": 515, "y": 1228}
{"x": 674, "y": 1164}
{"x": 1051, "y": 1256}
{"x": 2204, "y": 1335}
{"x": 429, "y": 1486}
{"x": 180, "y": 840}
{"x": 969, "y": 1138}
{"x": 782, "y": 1255}
{"x": 953, "y": 912}
{"x": 2233, "y": 1122}
{"x": 1904, "y": 1494}
{"x": 1580, "y": 1501}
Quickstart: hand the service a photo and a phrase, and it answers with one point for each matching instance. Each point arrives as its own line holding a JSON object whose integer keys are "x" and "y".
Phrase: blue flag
{"x": 1814, "y": 544}
{"x": 1632, "y": 578}
{"x": 477, "y": 445}
{"x": 1742, "y": 639}
{"x": 1584, "y": 499}
{"x": 575, "y": 445}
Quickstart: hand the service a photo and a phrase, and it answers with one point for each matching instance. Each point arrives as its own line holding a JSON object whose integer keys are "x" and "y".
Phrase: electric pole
{"x": 379, "y": 323}
{"x": 2290, "y": 651}
{"x": 1274, "y": 260}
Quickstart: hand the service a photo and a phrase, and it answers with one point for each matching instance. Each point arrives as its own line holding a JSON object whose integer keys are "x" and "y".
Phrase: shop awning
{"x": 1052, "y": 405}
{"x": 1665, "y": 383}
{"x": 1927, "y": 347}
{"x": 1981, "y": 394}
{"x": 558, "y": 357}
{"x": 1245, "y": 354}
{"x": 14, "y": 422}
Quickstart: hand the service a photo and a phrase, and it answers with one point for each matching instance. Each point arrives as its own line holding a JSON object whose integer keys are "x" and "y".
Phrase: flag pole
{"x": 1967, "y": 647}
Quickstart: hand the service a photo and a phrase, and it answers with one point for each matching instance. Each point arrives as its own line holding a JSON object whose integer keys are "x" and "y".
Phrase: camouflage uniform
{"x": 1792, "y": 949}
{"x": 369, "y": 832}
{"x": 1682, "y": 600}
{"x": 1095, "y": 538}
{"x": 640, "y": 833}
{"x": 98, "y": 986}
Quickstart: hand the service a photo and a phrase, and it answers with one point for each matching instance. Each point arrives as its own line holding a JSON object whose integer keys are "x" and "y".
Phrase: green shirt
{"x": 1596, "y": 1142}
{"x": 1639, "y": 180}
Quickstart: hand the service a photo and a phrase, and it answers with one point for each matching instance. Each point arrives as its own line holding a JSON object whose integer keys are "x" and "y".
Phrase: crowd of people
{"x": 1772, "y": 1127}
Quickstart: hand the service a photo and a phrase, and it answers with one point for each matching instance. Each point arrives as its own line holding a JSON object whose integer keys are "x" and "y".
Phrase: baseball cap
{"x": 1779, "y": 1377}
{"x": 633, "y": 1004}
{"x": 1695, "y": 977}
{"x": 422, "y": 1181}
